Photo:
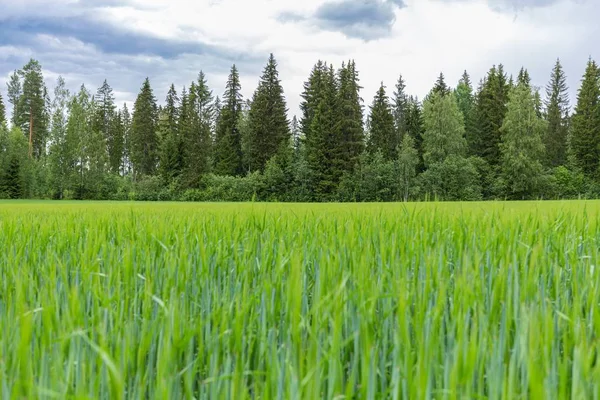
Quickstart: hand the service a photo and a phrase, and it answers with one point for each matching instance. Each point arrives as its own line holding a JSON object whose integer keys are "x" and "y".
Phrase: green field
{"x": 274, "y": 301}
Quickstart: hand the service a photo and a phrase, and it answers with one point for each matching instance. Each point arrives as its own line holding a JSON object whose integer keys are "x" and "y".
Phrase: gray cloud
{"x": 362, "y": 19}
{"x": 73, "y": 42}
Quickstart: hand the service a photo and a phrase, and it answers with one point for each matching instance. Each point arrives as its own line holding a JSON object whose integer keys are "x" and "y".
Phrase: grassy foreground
{"x": 234, "y": 301}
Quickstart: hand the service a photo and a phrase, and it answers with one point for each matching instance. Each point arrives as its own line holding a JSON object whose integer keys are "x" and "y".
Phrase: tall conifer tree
{"x": 557, "y": 115}
{"x": 382, "y": 135}
{"x": 268, "y": 126}
{"x": 228, "y": 146}
{"x": 585, "y": 140}
{"x": 144, "y": 135}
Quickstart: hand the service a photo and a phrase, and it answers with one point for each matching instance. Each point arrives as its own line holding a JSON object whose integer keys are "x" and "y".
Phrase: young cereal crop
{"x": 268, "y": 301}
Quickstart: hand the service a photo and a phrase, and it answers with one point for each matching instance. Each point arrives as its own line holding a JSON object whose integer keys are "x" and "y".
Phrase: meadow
{"x": 298, "y": 301}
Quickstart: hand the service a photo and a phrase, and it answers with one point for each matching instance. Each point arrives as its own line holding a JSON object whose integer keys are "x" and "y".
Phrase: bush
{"x": 454, "y": 179}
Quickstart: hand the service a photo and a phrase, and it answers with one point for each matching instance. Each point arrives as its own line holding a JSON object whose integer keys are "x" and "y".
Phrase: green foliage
{"x": 28, "y": 90}
{"x": 61, "y": 157}
{"x": 568, "y": 184}
{"x": 453, "y": 179}
{"x": 440, "y": 88}
{"x": 16, "y": 168}
{"x": 374, "y": 179}
{"x": 400, "y": 104}
{"x": 196, "y": 118}
{"x": 349, "y": 135}
{"x": 522, "y": 147}
{"x": 171, "y": 139}
{"x": 3, "y": 120}
{"x": 406, "y": 168}
{"x": 444, "y": 129}
{"x": 320, "y": 131}
{"x": 585, "y": 140}
{"x": 228, "y": 145}
{"x": 144, "y": 136}
{"x": 268, "y": 126}
{"x": 382, "y": 133}
{"x": 490, "y": 109}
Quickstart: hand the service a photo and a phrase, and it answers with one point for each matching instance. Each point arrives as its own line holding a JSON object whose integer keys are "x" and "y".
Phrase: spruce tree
{"x": 414, "y": 127}
{"x": 585, "y": 140}
{"x": 144, "y": 136}
{"x": 400, "y": 109}
{"x": 382, "y": 135}
{"x": 349, "y": 140}
{"x": 228, "y": 143}
{"x": 296, "y": 135}
{"x": 524, "y": 78}
{"x": 440, "y": 86}
{"x": 197, "y": 116}
{"x": 557, "y": 115}
{"x": 104, "y": 123}
{"x": 2, "y": 112}
{"x": 489, "y": 113}
{"x": 171, "y": 159}
{"x": 268, "y": 126}
{"x": 522, "y": 147}
{"x": 318, "y": 125}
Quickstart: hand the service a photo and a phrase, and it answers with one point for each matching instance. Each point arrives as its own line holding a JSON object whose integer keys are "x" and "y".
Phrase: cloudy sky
{"x": 170, "y": 41}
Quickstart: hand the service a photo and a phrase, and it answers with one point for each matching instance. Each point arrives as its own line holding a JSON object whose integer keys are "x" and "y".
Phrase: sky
{"x": 170, "y": 41}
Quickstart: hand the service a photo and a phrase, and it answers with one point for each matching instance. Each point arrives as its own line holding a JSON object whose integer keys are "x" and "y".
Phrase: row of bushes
{"x": 562, "y": 184}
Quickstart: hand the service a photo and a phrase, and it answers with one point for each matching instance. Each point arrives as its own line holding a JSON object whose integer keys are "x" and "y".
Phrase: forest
{"x": 499, "y": 139}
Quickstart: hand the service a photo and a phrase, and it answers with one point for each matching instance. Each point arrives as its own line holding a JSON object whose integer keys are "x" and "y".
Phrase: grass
{"x": 273, "y": 301}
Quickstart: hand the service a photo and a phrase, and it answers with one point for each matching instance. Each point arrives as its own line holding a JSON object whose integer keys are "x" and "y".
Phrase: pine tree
{"x": 267, "y": 119}
{"x": 196, "y": 128}
{"x": 521, "y": 146}
{"x": 228, "y": 143}
{"x": 15, "y": 90}
{"x": 144, "y": 137}
{"x": 32, "y": 115}
{"x": 444, "y": 129}
{"x": 400, "y": 109}
{"x": 382, "y": 135}
{"x": 349, "y": 133}
{"x": 2, "y": 112}
{"x": 585, "y": 140}
{"x": 557, "y": 115}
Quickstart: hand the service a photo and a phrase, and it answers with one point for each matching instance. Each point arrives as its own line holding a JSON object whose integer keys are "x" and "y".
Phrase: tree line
{"x": 502, "y": 139}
